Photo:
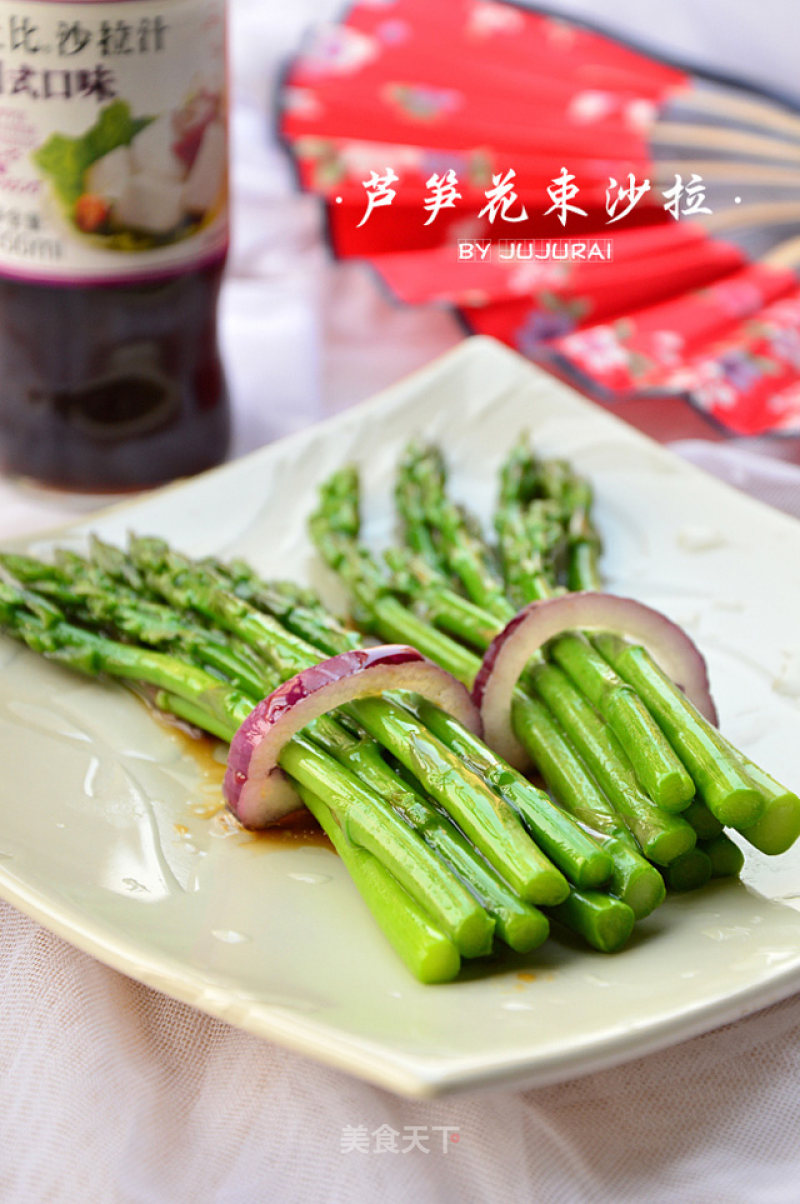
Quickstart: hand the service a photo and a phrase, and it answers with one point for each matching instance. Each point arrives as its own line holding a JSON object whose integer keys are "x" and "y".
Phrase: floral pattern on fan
{"x": 679, "y": 311}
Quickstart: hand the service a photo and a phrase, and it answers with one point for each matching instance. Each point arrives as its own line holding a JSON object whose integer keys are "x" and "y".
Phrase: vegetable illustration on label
{"x": 133, "y": 183}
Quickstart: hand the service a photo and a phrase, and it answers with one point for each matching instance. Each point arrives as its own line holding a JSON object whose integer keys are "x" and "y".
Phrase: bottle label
{"x": 113, "y": 138}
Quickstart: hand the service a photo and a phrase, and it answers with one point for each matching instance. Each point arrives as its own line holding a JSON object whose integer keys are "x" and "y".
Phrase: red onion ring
{"x": 540, "y": 621}
{"x": 256, "y": 789}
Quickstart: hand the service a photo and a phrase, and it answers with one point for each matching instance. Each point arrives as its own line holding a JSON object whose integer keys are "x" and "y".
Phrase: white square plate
{"x": 105, "y": 835}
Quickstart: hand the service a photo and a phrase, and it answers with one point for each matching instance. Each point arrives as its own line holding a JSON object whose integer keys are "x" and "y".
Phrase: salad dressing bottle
{"x": 113, "y": 235}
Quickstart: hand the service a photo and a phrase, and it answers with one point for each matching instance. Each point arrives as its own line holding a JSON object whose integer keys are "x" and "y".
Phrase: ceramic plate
{"x": 109, "y": 829}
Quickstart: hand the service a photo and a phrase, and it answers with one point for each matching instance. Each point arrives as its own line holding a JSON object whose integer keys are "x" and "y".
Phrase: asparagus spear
{"x": 299, "y": 610}
{"x": 602, "y": 920}
{"x": 459, "y": 548}
{"x": 661, "y": 774}
{"x": 661, "y": 835}
{"x": 416, "y": 474}
{"x": 655, "y": 764}
{"x": 93, "y": 597}
{"x": 690, "y": 871}
{"x": 726, "y": 857}
{"x": 427, "y": 951}
{"x": 521, "y": 926}
{"x": 528, "y": 528}
{"x": 635, "y": 881}
{"x": 720, "y": 781}
{"x": 528, "y": 541}
{"x": 573, "y": 494}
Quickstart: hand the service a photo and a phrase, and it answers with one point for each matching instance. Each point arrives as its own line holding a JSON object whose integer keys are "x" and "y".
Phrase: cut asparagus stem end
{"x": 706, "y": 825}
{"x": 634, "y": 880}
{"x": 778, "y": 827}
{"x": 588, "y": 868}
{"x": 670, "y": 842}
{"x": 523, "y": 931}
{"x": 779, "y": 824}
{"x": 689, "y": 871}
{"x": 604, "y": 922}
{"x": 726, "y": 857}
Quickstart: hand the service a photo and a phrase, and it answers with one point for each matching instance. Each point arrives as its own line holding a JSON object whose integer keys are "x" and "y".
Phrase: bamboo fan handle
{"x": 768, "y": 213}
{"x": 712, "y": 138}
{"x": 784, "y": 255}
{"x": 743, "y": 173}
{"x": 739, "y": 108}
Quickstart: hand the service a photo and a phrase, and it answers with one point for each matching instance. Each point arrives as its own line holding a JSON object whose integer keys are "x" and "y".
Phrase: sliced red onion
{"x": 256, "y": 790}
{"x": 528, "y": 631}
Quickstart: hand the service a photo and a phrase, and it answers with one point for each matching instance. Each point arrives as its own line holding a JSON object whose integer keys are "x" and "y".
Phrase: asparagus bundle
{"x": 617, "y": 743}
{"x": 452, "y": 848}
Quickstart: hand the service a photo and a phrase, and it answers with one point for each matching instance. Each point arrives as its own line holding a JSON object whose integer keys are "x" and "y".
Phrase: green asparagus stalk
{"x": 367, "y": 818}
{"x": 528, "y": 528}
{"x": 521, "y": 926}
{"x": 590, "y": 866}
{"x": 573, "y": 494}
{"x": 634, "y": 879}
{"x": 657, "y": 768}
{"x": 719, "y": 779}
{"x": 660, "y": 773}
{"x": 778, "y": 826}
{"x": 527, "y": 543}
{"x": 94, "y": 598}
{"x": 297, "y": 609}
{"x": 458, "y": 546}
{"x": 661, "y": 835}
{"x": 488, "y": 820}
{"x": 706, "y": 825}
{"x": 416, "y": 475}
{"x": 427, "y": 951}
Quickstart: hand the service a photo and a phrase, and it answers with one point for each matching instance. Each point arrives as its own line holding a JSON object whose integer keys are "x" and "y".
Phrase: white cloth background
{"x": 110, "y": 1092}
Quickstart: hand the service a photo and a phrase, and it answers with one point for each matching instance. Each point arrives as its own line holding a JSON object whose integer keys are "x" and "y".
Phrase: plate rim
{"x": 405, "y": 1073}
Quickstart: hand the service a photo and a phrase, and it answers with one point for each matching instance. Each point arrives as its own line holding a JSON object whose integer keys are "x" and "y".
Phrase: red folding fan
{"x": 432, "y": 126}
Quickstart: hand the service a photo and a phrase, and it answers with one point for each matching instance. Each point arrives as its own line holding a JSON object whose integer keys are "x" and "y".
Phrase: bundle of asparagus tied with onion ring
{"x": 455, "y": 851}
